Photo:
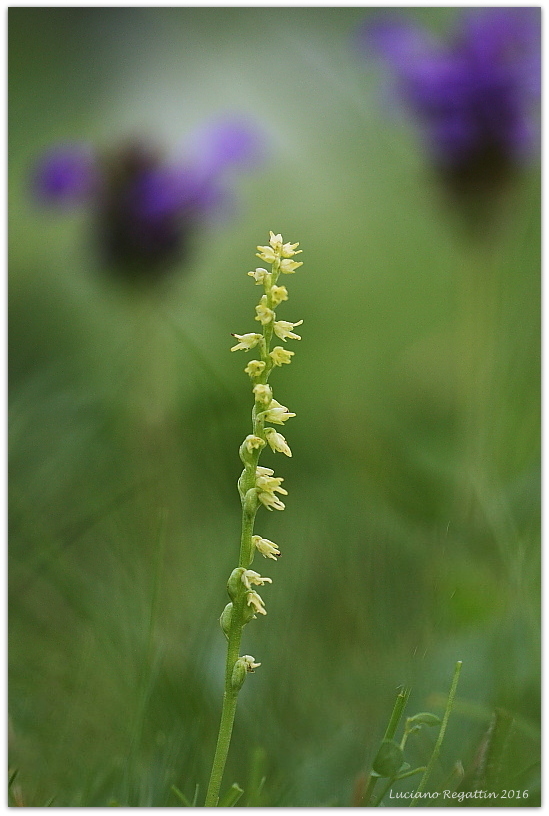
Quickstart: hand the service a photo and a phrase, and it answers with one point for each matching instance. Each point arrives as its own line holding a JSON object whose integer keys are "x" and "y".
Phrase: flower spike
{"x": 257, "y": 485}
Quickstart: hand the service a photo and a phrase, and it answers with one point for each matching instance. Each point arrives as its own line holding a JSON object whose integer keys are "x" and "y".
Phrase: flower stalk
{"x": 257, "y": 485}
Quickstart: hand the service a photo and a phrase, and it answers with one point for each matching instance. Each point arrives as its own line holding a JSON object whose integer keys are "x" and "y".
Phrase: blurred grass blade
{"x": 195, "y": 797}
{"x": 181, "y": 796}
{"x": 232, "y": 796}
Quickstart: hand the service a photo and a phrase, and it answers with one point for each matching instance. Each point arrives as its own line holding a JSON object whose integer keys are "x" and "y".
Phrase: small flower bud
{"x": 278, "y": 294}
{"x": 275, "y": 241}
{"x": 225, "y": 619}
{"x": 255, "y": 368}
{"x": 277, "y": 441}
{"x": 263, "y": 393}
{"x": 264, "y": 314}
{"x": 234, "y": 584}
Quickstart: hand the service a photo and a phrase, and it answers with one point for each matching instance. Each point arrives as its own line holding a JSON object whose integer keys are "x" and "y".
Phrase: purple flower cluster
{"x": 146, "y": 210}
{"x": 475, "y": 98}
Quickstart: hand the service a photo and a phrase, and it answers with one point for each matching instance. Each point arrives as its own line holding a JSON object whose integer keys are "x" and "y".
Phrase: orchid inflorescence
{"x": 258, "y": 486}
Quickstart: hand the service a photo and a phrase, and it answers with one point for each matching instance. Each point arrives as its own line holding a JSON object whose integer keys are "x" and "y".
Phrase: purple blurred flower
{"x": 66, "y": 174}
{"x": 476, "y": 97}
{"x": 146, "y": 211}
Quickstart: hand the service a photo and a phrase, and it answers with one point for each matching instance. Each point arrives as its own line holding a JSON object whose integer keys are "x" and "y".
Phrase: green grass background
{"x": 411, "y": 534}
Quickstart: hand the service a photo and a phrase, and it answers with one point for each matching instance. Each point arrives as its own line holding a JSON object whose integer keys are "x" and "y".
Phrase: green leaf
{"x": 232, "y": 796}
{"x": 389, "y": 759}
{"x": 425, "y": 718}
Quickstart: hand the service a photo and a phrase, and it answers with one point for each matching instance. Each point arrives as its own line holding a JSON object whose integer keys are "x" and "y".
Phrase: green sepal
{"x": 389, "y": 759}
{"x": 235, "y": 587}
{"x": 225, "y": 619}
{"x": 239, "y": 674}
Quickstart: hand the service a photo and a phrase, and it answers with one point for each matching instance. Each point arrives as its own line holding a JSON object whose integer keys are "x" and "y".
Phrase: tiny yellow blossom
{"x": 246, "y": 341}
{"x": 288, "y": 266}
{"x": 250, "y": 577}
{"x": 278, "y": 413}
{"x": 259, "y": 274}
{"x": 283, "y": 329}
{"x": 264, "y": 314}
{"x": 278, "y": 294}
{"x": 289, "y": 250}
{"x": 250, "y": 662}
{"x": 270, "y": 501}
{"x": 263, "y": 393}
{"x": 277, "y": 441}
{"x": 270, "y": 484}
{"x": 267, "y": 254}
{"x": 275, "y": 241}
{"x": 255, "y": 368}
{"x": 280, "y": 355}
{"x": 253, "y": 442}
{"x": 256, "y": 602}
{"x": 268, "y": 549}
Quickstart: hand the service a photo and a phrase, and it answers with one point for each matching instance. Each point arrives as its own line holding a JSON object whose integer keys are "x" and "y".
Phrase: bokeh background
{"x": 410, "y": 538}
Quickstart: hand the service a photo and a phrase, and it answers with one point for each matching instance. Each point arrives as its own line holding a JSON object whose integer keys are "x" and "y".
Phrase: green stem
{"x": 398, "y": 710}
{"x": 436, "y": 750}
{"x": 230, "y": 694}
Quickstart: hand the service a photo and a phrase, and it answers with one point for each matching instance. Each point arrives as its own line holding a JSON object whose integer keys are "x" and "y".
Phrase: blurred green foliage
{"x": 411, "y": 535}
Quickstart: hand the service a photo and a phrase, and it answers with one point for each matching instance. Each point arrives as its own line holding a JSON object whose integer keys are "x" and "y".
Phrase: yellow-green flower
{"x": 289, "y": 250}
{"x": 252, "y": 443}
{"x": 283, "y": 329}
{"x": 264, "y": 314}
{"x": 259, "y": 274}
{"x": 280, "y": 356}
{"x": 246, "y": 341}
{"x": 267, "y": 548}
{"x": 249, "y": 662}
{"x": 288, "y": 266}
{"x": 278, "y": 294}
{"x": 255, "y": 368}
{"x": 256, "y": 602}
{"x": 277, "y": 441}
{"x": 263, "y": 393}
{"x": 267, "y": 254}
{"x": 250, "y": 577}
{"x": 278, "y": 413}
